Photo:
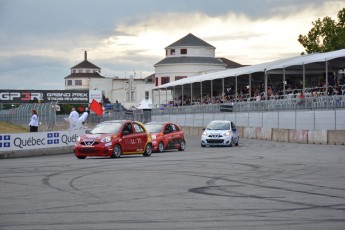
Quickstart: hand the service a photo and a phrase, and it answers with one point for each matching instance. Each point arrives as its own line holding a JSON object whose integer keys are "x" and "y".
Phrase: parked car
{"x": 220, "y": 133}
{"x": 166, "y": 135}
{"x": 113, "y": 139}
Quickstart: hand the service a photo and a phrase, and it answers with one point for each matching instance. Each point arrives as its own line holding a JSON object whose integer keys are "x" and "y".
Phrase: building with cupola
{"x": 189, "y": 56}
{"x": 81, "y": 75}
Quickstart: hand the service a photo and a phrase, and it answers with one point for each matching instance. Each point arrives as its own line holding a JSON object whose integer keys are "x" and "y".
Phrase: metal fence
{"x": 288, "y": 103}
{"x": 21, "y": 115}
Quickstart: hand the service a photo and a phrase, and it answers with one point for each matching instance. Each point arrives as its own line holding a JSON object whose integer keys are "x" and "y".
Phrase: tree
{"x": 325, "y": 35}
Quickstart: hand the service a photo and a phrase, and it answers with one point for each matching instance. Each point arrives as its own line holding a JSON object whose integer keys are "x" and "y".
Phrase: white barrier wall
{"x": 297, "y": 120}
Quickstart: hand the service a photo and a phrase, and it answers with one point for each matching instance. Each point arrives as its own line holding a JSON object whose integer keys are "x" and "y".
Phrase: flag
{"x": 96, "y": 107}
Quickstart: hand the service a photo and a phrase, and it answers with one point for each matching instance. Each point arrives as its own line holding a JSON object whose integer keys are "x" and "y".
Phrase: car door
{"x": 168, "y": 136}
{"x": 177, "y": 135}
{"x": 140, "y": 137}
{"x": 128, "y": 136}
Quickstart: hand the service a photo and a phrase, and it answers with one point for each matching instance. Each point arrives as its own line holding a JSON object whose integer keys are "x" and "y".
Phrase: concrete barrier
{"x": 317, "y": 137}
{"x": 36, "y": 152}
{"x": 250, "y": 132}
{"x": 264, "y": 133}
{"x": 336, "y": 137}
{"x": 298, "y": 136}
{"x": 280, "y": 135}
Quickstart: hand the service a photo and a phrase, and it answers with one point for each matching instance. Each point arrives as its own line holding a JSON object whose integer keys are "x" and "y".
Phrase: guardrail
{"x": 292, "y": 103}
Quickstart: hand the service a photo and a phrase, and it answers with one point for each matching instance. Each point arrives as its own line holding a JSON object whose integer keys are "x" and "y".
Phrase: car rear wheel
{"x": 116, "y": 152}
{"x": 160, "y": 147}
{"x": 182, "y": 146}
{"x": 81, "y": 157}
{"x": 148, "y": 150}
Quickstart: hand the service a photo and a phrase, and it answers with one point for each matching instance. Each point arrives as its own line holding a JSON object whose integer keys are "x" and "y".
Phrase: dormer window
{"x": 183, "y": 51}
{"x": 172, "y": 52}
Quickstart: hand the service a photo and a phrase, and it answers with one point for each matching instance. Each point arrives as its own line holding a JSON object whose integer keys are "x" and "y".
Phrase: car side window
{"x": 138, "y": 128}
{"x": 174, "y": 128}
{"x": 128, "y": 127}
{"x": 233, "y": 126}
{"x": 167, "y": 129}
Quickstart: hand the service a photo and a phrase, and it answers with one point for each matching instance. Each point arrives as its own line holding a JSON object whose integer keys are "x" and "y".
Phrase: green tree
{"x": 325, "y": 35}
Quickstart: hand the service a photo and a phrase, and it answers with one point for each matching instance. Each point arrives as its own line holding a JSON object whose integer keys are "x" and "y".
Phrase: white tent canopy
{"x": 268, "y": 66}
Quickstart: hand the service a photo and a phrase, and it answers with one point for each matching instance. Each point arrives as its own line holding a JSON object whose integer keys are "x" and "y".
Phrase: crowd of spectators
{"x": 246, "y": 93}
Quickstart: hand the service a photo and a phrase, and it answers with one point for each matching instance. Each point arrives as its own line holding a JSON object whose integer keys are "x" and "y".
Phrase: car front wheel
{"x": 160, "y": 147}
{"x": 116, "y": 152}
{"x": 148, "y": 150}
{"x": 182, "y": 146}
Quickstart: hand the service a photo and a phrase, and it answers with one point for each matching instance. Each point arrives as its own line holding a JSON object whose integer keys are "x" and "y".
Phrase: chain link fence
{"x": 22, "y": 114}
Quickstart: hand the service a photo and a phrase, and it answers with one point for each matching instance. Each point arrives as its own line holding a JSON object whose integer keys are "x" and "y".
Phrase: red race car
{"x": 113, "y": 139}
{"x": 166, "y": 135}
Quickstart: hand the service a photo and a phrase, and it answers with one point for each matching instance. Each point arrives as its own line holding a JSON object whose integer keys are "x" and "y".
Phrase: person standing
{"x": 34, "y": 121}
{"x": 73, "y": 118}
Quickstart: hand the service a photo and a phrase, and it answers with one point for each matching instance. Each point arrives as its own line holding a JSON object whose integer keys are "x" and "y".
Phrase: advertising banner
{"x": 38, "y": 140}
{"x": 44, "y": 96}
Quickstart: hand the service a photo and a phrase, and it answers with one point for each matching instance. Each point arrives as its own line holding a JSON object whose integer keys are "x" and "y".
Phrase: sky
{"x": 40, "y": 40}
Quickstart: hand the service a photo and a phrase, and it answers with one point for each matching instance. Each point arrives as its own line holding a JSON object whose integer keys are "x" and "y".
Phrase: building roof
{"x": 190, "y": 40}
{"x": 84, "y": 75}
{"x": 316, "y": 61}
{"x": 190, "y": 60}
{"x": 230, "y": 64}
{"x": 85, "y": 64}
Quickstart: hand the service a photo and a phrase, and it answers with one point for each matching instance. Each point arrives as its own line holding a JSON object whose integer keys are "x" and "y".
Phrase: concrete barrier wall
{"x": 317, "y": 137}
{"x": 280, "y": 135}
{"x": 249, "y": 132}
{"x": 336, "y": 137}
{"x": 264, "y": 133}
{"x": 298, "y": 136}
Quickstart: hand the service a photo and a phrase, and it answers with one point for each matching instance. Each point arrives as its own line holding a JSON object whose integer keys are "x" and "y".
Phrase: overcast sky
{"x": 40, "y": 40}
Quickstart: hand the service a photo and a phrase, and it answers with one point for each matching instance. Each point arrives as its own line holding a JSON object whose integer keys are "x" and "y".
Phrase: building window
{"x": 156, "y": 82}
{"x": 78, "y": 82}
{"x": 80, "y": 71}
{"x": 165, "y": 80}
{"x": 147, "y": 95}
{"x": 128, "y": 99}
{"x": 172, "y": 52}
{"x": 183, "y": 51}
{"x": 69, "y": 82}
{"x": 179, "y": 77}
{"x": 74, "y": 71}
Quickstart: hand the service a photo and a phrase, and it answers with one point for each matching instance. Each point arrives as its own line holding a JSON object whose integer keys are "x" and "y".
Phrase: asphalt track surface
{"x": 258, "y": 185}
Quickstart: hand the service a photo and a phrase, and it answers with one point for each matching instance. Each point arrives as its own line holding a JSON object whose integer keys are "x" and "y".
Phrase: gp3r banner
{"x": 44, "y": 96}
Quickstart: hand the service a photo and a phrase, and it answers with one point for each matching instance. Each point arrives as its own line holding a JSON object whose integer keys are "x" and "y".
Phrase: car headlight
{"x": 106, "y": 139}
{"x": 204, "y": 133}
{"x": 153, "y": 137}
{"x": 227, "y": 133}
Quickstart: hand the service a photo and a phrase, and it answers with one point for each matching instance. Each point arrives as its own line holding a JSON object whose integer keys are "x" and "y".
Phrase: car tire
{"x": 116, "y": 152}
{"x": 236, "y": 144}
{"x": 81, "y": 157}
{"x": 203, "y": 145}
{"x": 182, "y": 146}
{"x": 148, "y": 150}
{"x": 160, "y": 147}
{"x": 231, "y": 143}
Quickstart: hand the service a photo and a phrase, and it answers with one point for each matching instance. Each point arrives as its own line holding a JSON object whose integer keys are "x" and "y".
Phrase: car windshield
{"x": 154, "y": 128}
{"x": 106, "y": 128}
{"x": 218, "y": 126}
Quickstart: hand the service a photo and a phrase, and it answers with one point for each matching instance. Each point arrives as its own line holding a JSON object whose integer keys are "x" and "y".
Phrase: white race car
{"x": 220, "y": 133}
